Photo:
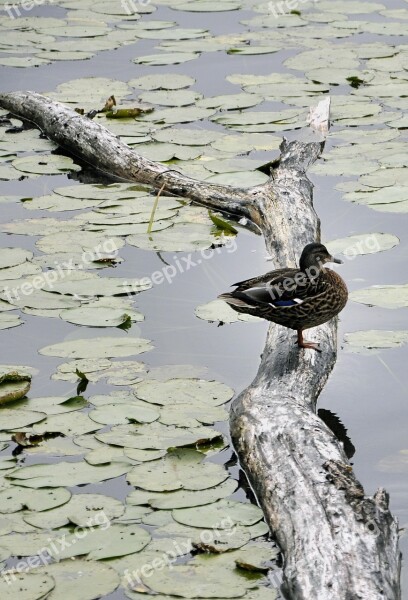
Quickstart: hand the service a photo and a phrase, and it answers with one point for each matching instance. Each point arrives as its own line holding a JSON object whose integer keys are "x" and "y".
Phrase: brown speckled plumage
{"x": 317, "y": 293}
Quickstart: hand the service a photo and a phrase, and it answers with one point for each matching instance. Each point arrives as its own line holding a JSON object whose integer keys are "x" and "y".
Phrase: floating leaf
{"x": 157, "y": 436}
{"x": 16, "y": 498}
{"x": 368, "y": 243}
{"x": 83, "y": 510}
{"x": 183, "y": 391}
{"x": 187, "y": 498}
{"x": 118, "y": 414}
{"x": 80, "y": 579}
{"x": 373, "y": 341}
{"x": 384, "y": 296}
{"x": 100, "y": 316}
{"x": 13, "y": 384}
{"x": 221, "y": 515}
{"x": 98, "y": 348}
{"x": 66, "y": 474}
{"x": 181, "y": 469}
{"x": 30, "y": 586}
{"x": 45, "y": 165}
{"x": 220, "y": 311}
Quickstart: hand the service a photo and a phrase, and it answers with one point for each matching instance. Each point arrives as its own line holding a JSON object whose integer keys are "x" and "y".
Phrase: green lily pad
{"x": 121, "y": 414}
{"x": 83, "y": 510}
{"x": 187, "y": 137}
{"x": 384, "y": 296}
{"x": 105, "y": 347}
{"x": 373, "y": 341}
{"x": 69, "y": 424}
{"x": 8, "y": 321}
{"x": 190, "y": 581}
{"x": 45, "y": 165}
{"x": 16, "y": 498}
{"x": 157, "y": 436}
{"x": 100, "y": 316}
{"x": 184, "y": 391}
{"x": 208, "y": 6}
{"x": 181, "y": 469}
{"x": 11, "y": 257}
{"x": 220, "y": 311}
{"x": 188, "y": 498}
{"x": 30, "y": 586}
{"x": 165, "y": 81}
{"x": 13, "y": 385}
{"x": 171, "y": 97}
{"x": 108, "y": 542}
{"x": 222, "y": 514}
{"x": 363, "y": 244}
{"x": 16, "y": 419}
{"x": 174, "y": 58}
{"x": 187, "y": 415}
{"x": 66, "y": 474}
{"x": 55, "y": 405}
{"x": 80, "y": 579}
{"x": 181, "y": 237}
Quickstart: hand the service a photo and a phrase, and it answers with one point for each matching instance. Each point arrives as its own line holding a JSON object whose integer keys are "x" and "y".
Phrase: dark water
{"x": 369, "y": 393}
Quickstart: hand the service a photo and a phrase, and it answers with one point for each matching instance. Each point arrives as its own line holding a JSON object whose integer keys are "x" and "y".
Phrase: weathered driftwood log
{"x": 337, "y": 543}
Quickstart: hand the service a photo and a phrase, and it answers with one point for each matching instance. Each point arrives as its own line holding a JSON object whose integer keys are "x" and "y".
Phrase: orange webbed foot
{"x": 305, "y": 344}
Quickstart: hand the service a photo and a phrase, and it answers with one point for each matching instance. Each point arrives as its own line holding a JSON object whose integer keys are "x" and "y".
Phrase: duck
{"x": 297, "y": 298}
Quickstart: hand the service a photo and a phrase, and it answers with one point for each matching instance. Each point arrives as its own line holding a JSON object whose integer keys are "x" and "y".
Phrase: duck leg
{"x": 304, "y": 343}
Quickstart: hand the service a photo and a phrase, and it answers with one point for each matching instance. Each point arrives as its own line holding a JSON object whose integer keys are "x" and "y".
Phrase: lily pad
{"x": 373, "y": 341}
{"x": 66, "y": 474}
{"x": 100, "y": 316}
{"x": 105, "y": 347}
{"x": 369, "y": 243}
{"x": 8, "y": 321}
{"x": 13, "y": 384}
{"x": 180, "y": 469}
{"x": 80, "y": 579}
{"x": 174, "y": 58}
{"x": 220, "y": 311}
{"x": 16, "y": 498}
{"x": 221, "y": 515}
{"x": 165, "y": 81}
{"x": 83, "y": 510}
{"x": 157, "y": 436}
{"x": 11, "y": 257}
{"x": 118, "y": 414}
{"x": 45, "y": 165}
{"x": 184, "y": 391}
{"x": 30, "y": 586}
{"x": 384, "y": 296}
{"x": 188, "y": 498}
{"x": 181, "y": 237}
{"x": 190, "y": 581}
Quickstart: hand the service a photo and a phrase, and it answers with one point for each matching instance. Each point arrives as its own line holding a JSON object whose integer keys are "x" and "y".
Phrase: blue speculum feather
{"x": 284, "y": 303}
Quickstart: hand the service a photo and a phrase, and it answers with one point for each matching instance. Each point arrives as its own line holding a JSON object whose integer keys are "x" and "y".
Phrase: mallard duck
{"x": 295, "y": 298}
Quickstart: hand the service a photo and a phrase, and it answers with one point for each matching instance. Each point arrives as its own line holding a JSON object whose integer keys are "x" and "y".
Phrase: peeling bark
{"x": 338, "y": 544}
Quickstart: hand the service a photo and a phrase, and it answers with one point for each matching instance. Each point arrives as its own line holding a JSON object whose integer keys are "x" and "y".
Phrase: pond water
{"x": 367, "y": 389}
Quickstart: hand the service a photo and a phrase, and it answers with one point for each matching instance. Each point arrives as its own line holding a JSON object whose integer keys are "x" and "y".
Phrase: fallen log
{"x": 338, "y": 544}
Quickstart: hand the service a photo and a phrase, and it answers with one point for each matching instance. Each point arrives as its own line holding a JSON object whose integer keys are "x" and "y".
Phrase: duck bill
{"x": 338, "y": 261}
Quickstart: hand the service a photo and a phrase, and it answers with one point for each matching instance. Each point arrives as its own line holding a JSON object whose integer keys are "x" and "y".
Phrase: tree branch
{"x": 337, "y": 543}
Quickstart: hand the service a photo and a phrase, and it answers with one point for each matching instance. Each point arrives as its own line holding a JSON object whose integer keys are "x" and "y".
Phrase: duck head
{"x": 314, "y": 256}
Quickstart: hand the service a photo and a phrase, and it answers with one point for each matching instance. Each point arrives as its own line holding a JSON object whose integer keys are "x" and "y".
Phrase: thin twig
{"x": 156, "y": 202}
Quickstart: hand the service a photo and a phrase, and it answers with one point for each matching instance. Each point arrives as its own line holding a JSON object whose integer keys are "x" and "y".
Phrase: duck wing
{"x": 283, "y": 287}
